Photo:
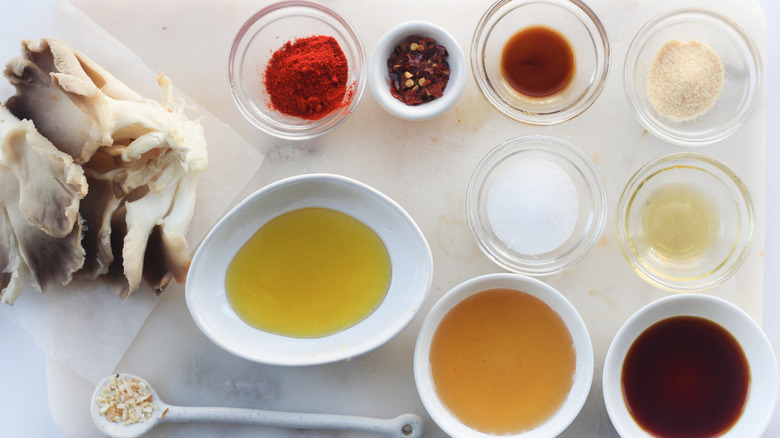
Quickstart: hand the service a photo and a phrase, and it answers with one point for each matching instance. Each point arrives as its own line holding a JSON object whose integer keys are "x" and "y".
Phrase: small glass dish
{"x": 379, "y": 79}
{"x": 685, "y": 222}
{"x": 576, "y": 22}
{"x": 267, "y": 31}
{"x": 742, "y": 75}
{"x": 588, "y": 217}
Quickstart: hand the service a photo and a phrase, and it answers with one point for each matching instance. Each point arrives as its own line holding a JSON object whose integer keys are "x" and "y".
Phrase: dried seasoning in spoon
{"x": 418, "y": 70}
{"x": 125, "y": 400}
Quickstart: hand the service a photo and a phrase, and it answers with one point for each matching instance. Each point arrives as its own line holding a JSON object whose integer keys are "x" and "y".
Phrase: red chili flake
{"x": 418, "y": 70}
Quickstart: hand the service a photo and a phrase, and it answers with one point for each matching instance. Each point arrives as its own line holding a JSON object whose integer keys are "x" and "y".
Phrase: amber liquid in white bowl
{"x": 502, "y": 361}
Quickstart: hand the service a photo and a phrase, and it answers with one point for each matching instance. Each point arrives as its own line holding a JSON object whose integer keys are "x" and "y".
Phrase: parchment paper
{"x": 84, "y": 326}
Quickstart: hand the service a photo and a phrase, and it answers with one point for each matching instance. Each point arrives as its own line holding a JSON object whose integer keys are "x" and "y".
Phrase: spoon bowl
{"x": 403, "y": 426}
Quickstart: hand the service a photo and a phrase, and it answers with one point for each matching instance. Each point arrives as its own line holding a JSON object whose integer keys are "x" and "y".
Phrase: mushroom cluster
{"x": 96, "y": 181}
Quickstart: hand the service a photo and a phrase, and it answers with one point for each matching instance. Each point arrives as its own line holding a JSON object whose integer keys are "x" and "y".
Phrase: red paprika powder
{"x": 307, "y": 77}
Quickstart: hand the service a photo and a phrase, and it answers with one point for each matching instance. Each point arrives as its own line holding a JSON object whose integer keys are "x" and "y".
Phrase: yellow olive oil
{"x": 309, "y": 273}
{"x": 679, "y": 222}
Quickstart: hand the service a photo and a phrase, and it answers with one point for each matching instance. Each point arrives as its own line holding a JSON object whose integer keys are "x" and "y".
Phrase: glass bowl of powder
{"x": 692, "y": 76}
{"x": 297, "y": 69}
{"x": 536, "y": 205}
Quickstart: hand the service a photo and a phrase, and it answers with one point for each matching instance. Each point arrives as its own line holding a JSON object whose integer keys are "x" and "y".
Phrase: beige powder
{"x": 685, "y": 80}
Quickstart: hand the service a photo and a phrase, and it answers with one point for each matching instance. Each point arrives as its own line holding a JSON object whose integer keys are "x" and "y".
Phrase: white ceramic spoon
{"x": 403, "y": 426}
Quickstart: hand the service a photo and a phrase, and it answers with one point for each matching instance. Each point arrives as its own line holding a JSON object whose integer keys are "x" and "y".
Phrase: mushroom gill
{"x": 40, "y": 191}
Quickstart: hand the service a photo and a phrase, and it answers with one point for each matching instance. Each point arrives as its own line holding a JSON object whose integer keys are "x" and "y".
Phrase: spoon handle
{"x": 403, "y": 426}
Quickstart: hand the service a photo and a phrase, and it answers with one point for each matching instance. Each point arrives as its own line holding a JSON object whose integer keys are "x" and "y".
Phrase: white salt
{"x": 533, "y": 207}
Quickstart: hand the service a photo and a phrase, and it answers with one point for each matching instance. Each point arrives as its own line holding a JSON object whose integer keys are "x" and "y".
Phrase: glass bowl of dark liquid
{"x": 540, "y": 62}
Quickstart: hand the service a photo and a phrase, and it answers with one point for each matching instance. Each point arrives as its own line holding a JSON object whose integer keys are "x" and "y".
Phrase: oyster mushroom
{"x": 142, "y": 157}
{"x": 12, "y": 268}
{"x": 37, "y": 99}
{"x": 40, "y": 191}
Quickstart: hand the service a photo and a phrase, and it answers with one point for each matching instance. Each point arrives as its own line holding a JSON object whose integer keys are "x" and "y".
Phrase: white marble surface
{"x": 211, "y": 376}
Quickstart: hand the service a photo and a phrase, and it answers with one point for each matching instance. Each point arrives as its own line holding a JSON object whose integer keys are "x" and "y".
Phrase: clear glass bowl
{"x": 590, "y": 212}
{"x": 726, "y": 246}
{"x": 267, "y": 31}
{"x": 742, "y": 75}
{"x": 571, "y": 18}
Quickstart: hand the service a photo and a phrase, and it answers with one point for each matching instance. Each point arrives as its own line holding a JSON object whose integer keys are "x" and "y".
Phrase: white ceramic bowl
{"x": 742, "y": 75}
{"x": 379, "y": 80}
{"x": 410, "y": 258}
{"x": 583, "y": 374}
{"x": 763, "y": 391}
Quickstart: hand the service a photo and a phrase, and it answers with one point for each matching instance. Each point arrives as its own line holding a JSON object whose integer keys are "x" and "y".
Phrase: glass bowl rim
{"x": 636, "y": 182}
{"x": 282, "y": 130}
{"x": 559, "y": 148}
{"x": 581, "y": 104}
{"x": 639, "y": 110}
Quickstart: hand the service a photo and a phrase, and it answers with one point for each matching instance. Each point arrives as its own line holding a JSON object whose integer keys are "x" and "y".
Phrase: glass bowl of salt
{"x": 536, "y": 205}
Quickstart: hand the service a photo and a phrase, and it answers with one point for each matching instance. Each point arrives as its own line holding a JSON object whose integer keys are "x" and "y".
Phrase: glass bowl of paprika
{"x": 417, "y": 71}
{"x": 297, "y": 69}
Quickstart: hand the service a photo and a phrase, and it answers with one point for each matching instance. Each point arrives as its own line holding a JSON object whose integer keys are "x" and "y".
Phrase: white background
{"x": 24, "y": 408}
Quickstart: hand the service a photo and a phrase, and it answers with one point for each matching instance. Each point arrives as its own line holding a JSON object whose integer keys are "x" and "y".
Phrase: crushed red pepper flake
{"x": 418, "y": 70}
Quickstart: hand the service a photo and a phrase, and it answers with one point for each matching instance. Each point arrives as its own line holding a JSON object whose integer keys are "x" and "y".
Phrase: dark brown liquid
{"x": 685, "y": 377}
{"x": 538, "y": 62}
